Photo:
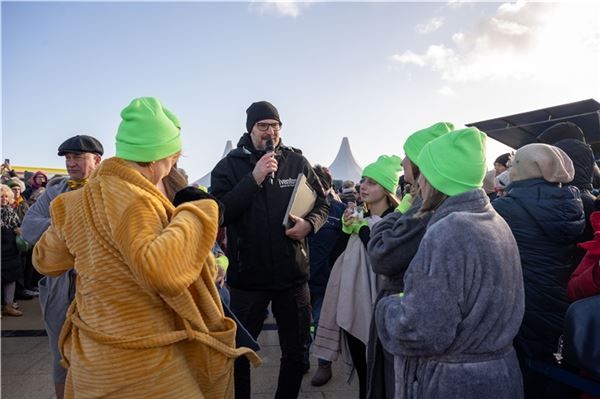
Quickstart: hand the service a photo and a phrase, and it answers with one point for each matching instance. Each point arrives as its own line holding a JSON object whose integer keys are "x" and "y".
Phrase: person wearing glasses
{"x": 268, "y": 263}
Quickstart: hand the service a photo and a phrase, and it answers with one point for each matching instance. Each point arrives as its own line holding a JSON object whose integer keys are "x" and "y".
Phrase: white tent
{"x": 344, "y": 166}
{"x": 205, "y": 180}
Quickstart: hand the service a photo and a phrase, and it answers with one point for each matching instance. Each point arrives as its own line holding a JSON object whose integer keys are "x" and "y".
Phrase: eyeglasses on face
{"x": 263, "y": 126}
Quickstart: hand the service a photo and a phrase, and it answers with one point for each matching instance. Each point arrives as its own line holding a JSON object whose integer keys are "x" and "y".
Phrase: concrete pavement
{"x": 27, "y": 374}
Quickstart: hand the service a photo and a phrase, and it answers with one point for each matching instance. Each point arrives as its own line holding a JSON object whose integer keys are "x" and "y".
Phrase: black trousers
{"x": 358, "y": 352}
{"x": 291, "y": 308}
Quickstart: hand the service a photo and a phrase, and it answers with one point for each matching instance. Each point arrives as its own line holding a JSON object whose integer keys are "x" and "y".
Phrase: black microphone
{"x": 268, "y": 150}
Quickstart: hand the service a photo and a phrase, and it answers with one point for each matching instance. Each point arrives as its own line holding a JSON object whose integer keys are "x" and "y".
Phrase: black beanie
{"x": 259, "y": 111}
{"x": 561, "y": 131}
{"x": 503, "y": 159}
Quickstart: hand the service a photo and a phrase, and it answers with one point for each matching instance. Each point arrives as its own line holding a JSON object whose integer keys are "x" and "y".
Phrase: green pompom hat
{"x": 455, "y": 163}
{"x": 385, "y": 171}
{"x": 416, "y": 141}
{"x": 148, "y": 132}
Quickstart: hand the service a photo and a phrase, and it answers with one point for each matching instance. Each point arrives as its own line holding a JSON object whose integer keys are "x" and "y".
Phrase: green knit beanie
{"x": 416, "y": 141}
{"x": 455, "y": 162}
{"x": 385, "y": 171}
{"x": 148, "y": 131}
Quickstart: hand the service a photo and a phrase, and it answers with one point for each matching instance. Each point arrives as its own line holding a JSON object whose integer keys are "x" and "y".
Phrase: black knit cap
{"x": 80, "y": 144}
{"x": 259, "y": 111}
{"x": 561, "y": 131}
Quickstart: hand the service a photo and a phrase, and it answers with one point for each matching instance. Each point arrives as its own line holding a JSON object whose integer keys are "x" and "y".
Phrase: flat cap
{"x": 80, "y": 144}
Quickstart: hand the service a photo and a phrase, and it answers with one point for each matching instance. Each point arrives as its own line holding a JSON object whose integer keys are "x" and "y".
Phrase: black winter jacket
{"x": 583, "y": 161}
{"x": 261, "y": 256}
{"x": 546, "y": 220}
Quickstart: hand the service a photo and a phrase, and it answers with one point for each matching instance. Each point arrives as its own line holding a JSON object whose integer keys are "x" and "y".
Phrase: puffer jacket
{"x": 546, "y": 220}
{"x": 583, "y": 161}
{"x": 323, "y": 247}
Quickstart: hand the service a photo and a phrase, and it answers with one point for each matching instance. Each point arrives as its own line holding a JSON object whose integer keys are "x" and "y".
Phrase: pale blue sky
{"x": 374, "y": 72}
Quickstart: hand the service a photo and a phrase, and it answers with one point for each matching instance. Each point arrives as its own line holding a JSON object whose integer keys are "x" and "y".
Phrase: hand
{"x": 350, "y": 215}
{"x": 405, "y": 204}
{"x": 190, "y": 193}
{"x": 18, "y": 231}
{"x": 265, "y": 165}
{"x": 301, "y": 228}
{"x": 220, "y": 280}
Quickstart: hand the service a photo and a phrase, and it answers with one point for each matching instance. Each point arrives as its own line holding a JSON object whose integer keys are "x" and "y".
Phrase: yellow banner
{"x": 49, "y": 171}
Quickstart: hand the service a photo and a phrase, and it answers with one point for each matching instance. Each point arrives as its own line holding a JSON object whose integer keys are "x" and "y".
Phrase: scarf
{"x": 17, "y": 202}
{"x": 75, "y": 184}
{"x": 9, "y": 218}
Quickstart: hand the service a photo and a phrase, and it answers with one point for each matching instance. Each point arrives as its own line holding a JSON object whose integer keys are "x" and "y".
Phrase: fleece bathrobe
{"x": 452, "y": 331}
{"x": 146, "y": 321}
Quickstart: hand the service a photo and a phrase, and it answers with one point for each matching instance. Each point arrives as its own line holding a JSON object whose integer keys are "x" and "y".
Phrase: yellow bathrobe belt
{"x": 150, "y": 341}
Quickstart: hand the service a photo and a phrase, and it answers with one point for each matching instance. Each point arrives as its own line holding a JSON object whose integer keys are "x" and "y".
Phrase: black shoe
{"x": 23, "y": 295}
{"x": 322, "y": 376}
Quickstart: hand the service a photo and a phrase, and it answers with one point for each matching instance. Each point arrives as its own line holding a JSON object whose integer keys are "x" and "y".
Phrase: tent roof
{"x": 344, "y": 166}
{"x": 520, "y": 129}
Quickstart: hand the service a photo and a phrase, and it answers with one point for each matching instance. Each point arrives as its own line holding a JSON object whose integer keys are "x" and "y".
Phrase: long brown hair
{"x": 433, "y": 201}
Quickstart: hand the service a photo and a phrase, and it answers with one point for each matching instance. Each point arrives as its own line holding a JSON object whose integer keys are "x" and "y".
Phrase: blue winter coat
{"x": 546, "y": 220}
{"x": 452, "y": 331}
{"x": 322, "y": 245}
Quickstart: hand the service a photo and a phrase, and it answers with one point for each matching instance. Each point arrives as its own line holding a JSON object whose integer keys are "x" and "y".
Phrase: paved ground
{"x": 26, "y": 372}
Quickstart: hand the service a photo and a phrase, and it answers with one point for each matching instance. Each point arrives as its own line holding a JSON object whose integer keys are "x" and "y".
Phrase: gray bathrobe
{"x": 452, "y": 331}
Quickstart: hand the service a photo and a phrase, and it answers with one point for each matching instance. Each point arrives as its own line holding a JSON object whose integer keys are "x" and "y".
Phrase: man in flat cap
{"x": 268, "y": 263}
{"x": 82, "y": 155}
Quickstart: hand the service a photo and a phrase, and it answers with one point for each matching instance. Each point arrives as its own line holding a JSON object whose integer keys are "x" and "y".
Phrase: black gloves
{"x": 193, "y": 194}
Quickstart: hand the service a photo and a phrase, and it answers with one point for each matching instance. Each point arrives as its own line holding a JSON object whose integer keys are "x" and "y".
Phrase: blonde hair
{"x": 5, "y": 189}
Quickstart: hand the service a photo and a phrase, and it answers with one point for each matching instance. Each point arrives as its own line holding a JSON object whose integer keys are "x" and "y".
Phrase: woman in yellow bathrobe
{"x": 146, "y": 321}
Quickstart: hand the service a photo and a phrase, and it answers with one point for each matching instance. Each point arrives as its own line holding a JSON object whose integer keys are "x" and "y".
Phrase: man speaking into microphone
{"x": 268, "y": 263}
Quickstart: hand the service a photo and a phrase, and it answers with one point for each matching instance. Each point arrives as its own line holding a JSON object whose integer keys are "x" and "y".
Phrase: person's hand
{"x": 301, "y": 228}
{"x": 405, "y": 204}
{"x": 5, "y": 169}
{"x": 348, "y": 217}
{"x": 352, "y": 215}
{"x": 18, "y": 231}
{"x": 265, "y": 165}
{"x": 220, "y": 280}
{"x": 190, "y": 193}
{"x": 351, "y": 223}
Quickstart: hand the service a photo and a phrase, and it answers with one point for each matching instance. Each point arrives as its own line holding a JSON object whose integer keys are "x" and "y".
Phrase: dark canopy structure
{"x": 520, "y": 129}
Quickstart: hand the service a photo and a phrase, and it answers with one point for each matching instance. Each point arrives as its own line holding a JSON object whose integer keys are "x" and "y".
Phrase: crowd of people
{"x": 19, "y": 277}
{"x": 430, "y": 278}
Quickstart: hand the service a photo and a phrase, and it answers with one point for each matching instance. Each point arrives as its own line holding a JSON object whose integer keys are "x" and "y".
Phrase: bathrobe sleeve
{"x": 51, "y": 256}
{"x": 424, "y": 321}
{"x": 167, "y": 257}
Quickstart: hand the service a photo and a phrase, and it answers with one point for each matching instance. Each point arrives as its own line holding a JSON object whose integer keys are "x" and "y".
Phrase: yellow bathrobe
{"x": 146, "y": 321}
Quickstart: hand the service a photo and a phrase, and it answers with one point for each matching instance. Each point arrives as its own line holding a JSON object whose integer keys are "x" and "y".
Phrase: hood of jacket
{"x": 583, "y": 161}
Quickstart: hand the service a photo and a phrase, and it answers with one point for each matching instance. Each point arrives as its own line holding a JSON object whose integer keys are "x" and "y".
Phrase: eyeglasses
{"x": 263, "y": 126}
